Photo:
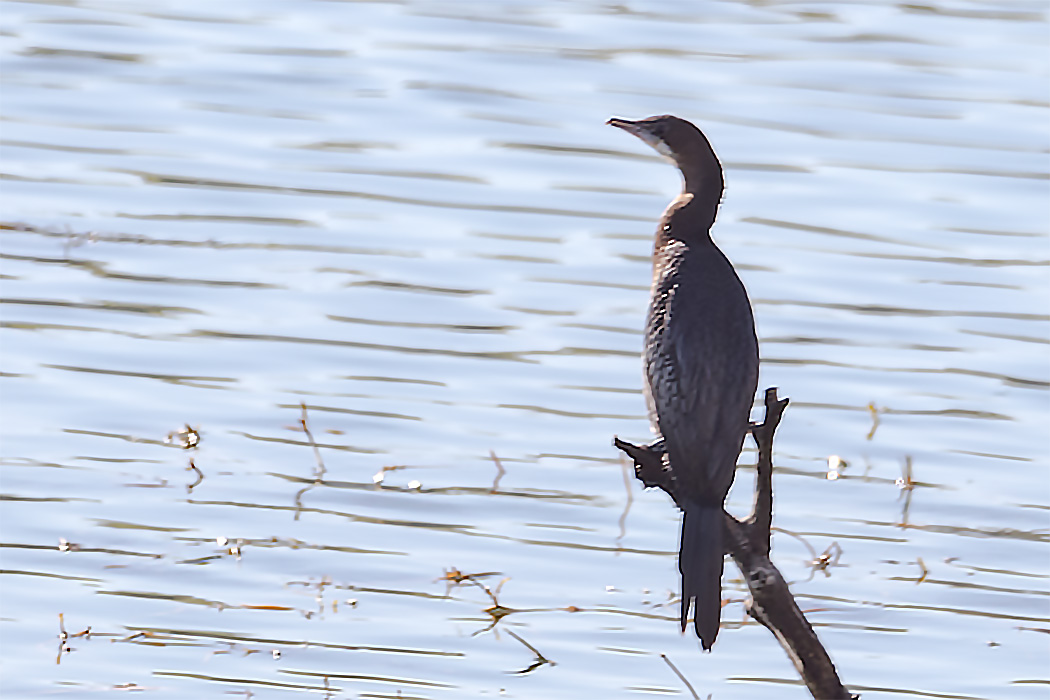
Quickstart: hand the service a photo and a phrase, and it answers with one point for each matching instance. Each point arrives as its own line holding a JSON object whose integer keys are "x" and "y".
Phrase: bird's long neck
{"x": 689, "y": 217}
{"x": 684, "y": 231}
{"x": 703, "y": 186}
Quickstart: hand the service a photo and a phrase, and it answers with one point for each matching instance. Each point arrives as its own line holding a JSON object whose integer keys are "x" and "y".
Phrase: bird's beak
{"x": 640, "y": 129}
{"x": 626, "y": 124}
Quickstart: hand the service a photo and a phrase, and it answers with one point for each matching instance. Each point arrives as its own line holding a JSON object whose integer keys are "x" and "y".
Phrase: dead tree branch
{"x": 747, "y": 541}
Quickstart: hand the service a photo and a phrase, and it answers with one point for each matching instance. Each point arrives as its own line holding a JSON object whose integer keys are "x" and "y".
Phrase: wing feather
{"x": 701, "y": 365}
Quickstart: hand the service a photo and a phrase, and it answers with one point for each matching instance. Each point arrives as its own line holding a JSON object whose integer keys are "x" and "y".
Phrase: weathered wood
{"x": 747, "y": 542}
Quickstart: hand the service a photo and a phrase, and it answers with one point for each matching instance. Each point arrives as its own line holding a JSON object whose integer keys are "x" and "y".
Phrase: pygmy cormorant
{"x": 701, "y": 360}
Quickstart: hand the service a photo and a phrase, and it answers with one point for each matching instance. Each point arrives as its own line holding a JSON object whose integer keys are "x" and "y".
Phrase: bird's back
{"x": 701, "y": 362}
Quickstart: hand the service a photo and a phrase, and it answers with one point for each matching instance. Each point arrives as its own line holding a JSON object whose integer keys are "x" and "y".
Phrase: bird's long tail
{"x": 700, "y": 560}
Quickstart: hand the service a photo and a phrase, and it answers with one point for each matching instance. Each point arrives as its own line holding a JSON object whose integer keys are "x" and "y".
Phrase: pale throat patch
{"x": 657, "y": 143}
{"x": 663, "y": 149}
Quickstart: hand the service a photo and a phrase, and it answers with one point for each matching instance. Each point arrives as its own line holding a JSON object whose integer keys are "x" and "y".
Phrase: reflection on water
{"x": 408, "y": 221}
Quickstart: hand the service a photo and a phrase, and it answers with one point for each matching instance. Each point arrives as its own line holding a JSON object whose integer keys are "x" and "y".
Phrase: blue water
{"x": 410, "y": 218}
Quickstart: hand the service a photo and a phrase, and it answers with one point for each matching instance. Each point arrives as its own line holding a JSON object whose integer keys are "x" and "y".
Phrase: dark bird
{"x": 701, "y": 361}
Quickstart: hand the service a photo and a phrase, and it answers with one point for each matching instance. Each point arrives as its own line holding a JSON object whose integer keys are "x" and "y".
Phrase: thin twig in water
{"x": 829, "y": 557}
{"x": 907, "y": 485}
{"x": 456, "y": 577}
{"x": 625, "y": 469}
{"x": 310, "y": 436}
{"x": 818, "y": 562}
{"x": 540, "y": 658}
{"x": 320, "y": 471}
{"x": 679, "y": 674}
{"x": 499, "y": 474}
{"x": 906, "y": 482}
{"x": 874, "y": 411}
{"x": 200, "y": 476}
{"x": 925, "y": 571}
{"x": 187, "y": 438}
{"x": 62, "y": 637}
{"x": 497, "y": 612}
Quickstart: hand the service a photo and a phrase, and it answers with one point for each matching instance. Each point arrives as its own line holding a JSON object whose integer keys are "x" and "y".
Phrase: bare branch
{"x": 762, "y": 514}
{"x": 747, "y": 542}
{"x": 681, "y": 677}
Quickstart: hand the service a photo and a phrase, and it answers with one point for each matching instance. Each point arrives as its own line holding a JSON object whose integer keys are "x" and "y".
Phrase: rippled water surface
{"x": 409, "y": 218}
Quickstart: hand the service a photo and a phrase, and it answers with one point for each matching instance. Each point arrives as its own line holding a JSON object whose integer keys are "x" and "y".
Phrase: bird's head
{"x": 662, "y": 132}
{"x": 679, "y": 140}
